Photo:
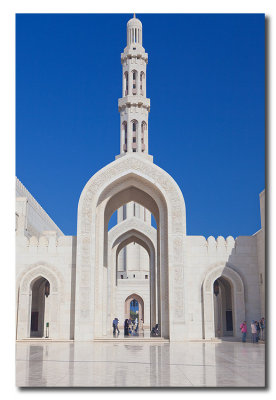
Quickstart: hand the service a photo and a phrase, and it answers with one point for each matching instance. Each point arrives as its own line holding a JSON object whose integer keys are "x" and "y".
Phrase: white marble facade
{"x": 71, "y": 287}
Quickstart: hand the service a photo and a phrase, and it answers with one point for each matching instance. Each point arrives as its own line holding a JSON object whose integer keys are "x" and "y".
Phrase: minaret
{"x": 134, "y": 106}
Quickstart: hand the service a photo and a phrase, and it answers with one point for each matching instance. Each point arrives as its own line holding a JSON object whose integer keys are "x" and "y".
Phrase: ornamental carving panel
{"x": 179, "y": 303}
{"x": 36, "y": 272}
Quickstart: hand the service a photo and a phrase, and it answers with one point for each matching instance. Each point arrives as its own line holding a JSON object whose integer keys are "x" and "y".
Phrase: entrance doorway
{"x": 223, "y": 306}
{"x": 134, "y": 310}
{"x": 40, "y": 291}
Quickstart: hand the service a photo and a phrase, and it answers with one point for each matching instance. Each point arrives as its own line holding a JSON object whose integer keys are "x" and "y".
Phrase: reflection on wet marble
{"x": 140, "y": 364}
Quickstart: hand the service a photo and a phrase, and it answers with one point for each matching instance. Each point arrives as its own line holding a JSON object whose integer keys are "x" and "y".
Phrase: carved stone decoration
{"x": 131, "y": 176}
{"x": 40, "y": 270}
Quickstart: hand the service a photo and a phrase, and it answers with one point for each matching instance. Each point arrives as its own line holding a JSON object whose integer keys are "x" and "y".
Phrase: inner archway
{"x": 40, "y": 290}
{"x": 158, "y": 279}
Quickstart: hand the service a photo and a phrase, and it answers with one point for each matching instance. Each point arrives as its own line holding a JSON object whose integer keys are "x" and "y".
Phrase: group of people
{"x": 131, "y": 327}
{"x": 257, "y": 330}
{"x": 155, "y": 331}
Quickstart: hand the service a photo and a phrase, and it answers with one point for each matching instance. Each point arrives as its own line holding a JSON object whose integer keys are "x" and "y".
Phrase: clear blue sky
{"x": 205, "y": 79}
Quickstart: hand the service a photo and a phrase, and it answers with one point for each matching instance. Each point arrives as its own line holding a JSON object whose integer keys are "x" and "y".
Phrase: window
{"x": 134, "y": 127}
{"x": 133, "y": 275}
{"x": 122, "y": 276}
{"x": 134, "y": 140}
{"x": 146, "y": 277}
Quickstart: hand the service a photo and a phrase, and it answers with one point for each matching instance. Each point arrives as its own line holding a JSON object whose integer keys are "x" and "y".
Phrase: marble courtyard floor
{"x": 133, "y": 363}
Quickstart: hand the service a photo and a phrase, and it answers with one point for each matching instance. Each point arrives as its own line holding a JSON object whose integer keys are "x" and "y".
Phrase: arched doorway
{"x": 134, "y": 307}
{"x": 40, "y": 290}
{"x": 129, "y": 178}
{"x": 223, "y": 306}
{"x": 227, "y": 306}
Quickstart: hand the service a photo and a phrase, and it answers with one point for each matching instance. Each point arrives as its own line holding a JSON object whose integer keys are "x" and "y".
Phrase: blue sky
{"x": 205, "y": 79}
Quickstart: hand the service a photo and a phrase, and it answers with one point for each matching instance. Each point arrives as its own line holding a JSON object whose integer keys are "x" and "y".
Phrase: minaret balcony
{"x": 136, "y": 100}
{"x": 138, "y": 53}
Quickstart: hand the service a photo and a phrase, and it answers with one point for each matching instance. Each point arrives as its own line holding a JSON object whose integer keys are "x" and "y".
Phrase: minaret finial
{"x": 134, "y": 16}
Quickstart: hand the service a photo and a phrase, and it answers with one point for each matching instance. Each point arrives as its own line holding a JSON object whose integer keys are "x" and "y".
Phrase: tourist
{"x": 126, "y": 331}
{"x": 115, "y": 326}
{"x": 141, "y": 325}
{"x": 243, "y": 328}
{"x": 258, "y": 331}
{"x": 262, "y": 328}
{"x": 253, "y": 331}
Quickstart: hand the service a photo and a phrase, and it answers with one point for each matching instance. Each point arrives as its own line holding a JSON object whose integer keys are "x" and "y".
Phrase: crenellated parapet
{"x": 199, "y": 245}
{"x": 48, "y": 242}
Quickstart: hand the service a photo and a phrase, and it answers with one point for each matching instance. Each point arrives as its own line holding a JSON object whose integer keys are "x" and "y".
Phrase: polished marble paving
{"x": 140, "y": 364}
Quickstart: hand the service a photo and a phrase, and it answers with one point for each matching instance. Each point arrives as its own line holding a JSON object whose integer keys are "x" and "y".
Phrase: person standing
{"x": 243, "y": 328}
{"x": 141, "y": 325}
{"x": 253, "y": 331}
{"x": 126, "y": 333}
{"x": 258, "y": 331}
{"x": 262, "y": 328}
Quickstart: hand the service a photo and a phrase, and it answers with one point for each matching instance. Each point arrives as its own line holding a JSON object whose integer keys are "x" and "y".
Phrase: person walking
{"x": 253, "y": 331}
{"x": 115, "y": 326}
{"x": 243, "y": 328}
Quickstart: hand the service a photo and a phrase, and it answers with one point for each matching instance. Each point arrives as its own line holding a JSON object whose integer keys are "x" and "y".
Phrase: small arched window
{"x": 124, "y": 128}
{"x": 126, "y": 83}
{"x": 134, "y": 83}
{"x": 142, "y": 80}
{"x": 143, "y": 130}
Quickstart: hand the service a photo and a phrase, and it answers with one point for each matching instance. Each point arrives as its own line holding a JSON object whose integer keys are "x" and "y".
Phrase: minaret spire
{"x": 134, "y": 106}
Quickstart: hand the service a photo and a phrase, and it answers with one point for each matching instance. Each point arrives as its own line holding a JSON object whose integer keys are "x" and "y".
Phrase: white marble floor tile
{"x": 113, "y": 364}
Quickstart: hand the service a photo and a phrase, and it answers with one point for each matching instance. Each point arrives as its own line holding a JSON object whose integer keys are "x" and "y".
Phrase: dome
{"x": 135, "y": 22}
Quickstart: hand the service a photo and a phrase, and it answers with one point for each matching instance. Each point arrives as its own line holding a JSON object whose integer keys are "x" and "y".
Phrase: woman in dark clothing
{"x": 126, "y": 327}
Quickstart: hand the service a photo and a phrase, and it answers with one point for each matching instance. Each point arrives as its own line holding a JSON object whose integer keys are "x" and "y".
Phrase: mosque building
{"x": 72, "y": 287}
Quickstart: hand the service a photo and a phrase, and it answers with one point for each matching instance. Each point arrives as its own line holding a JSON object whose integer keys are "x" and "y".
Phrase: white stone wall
{"x": 56, "y": 256}
{"x": 53, "y": 258}
{"x": 202, "y": 256}
{"x": 34, "y": 219}
{"x": 260, "y": 238}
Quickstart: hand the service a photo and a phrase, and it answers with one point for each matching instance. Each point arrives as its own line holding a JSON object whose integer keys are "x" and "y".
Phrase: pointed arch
{"x": 24, "y": 288}
{"x": 237, "y": 286}
{"x": 129, "y": 179}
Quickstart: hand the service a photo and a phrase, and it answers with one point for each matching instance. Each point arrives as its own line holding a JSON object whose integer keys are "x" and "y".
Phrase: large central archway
{"x": 130, "y": 178}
